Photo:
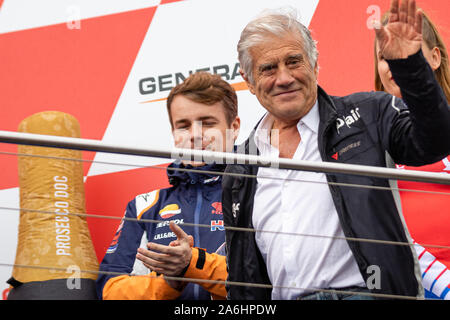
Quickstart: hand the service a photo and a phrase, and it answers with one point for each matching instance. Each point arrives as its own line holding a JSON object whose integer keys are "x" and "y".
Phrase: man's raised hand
{"x": 402, "y": 36}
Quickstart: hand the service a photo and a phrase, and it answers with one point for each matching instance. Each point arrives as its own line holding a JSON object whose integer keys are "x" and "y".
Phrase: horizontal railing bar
{"x": 221, "y": 157}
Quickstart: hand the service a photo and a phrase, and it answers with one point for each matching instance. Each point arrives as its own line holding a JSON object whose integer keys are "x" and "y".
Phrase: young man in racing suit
{"x": 202, "y": 112}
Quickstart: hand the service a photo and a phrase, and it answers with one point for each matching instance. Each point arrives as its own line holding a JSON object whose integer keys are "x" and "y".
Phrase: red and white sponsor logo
{"x": 217, "y": 208}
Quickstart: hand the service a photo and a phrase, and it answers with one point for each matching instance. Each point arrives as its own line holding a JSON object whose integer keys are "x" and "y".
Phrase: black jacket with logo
{"x": 361, "y": 129}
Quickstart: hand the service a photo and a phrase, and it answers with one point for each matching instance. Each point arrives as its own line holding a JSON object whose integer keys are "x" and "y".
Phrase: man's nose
{"x": 196, "y": 132}
{"x": 284, "y": 77}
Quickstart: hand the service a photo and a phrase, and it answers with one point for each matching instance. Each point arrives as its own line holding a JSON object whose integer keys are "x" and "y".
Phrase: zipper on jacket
{"x": 197, "y": 212}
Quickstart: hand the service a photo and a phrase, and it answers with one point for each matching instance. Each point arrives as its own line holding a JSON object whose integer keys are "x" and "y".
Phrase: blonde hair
{"x": 432, "y": 39}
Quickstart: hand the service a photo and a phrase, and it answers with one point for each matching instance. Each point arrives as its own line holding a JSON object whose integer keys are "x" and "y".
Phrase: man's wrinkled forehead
{"x": 278, "y": 47}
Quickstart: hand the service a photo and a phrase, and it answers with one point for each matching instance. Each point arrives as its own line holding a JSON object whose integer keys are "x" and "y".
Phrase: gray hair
{"x": 272, "y": 22}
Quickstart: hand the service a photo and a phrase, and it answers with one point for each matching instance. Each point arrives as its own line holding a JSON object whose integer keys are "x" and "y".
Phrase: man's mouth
{"x": 287, "y": 92}
{"x": 201, "y": 146}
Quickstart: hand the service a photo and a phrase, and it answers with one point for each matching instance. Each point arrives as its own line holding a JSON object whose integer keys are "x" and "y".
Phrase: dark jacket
{"x": 193, "y": 198}
{"x": 362, "y": 129}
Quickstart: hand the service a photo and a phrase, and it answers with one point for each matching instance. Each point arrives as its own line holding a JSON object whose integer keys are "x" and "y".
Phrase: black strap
{"x": 183, "y": 272}
{"x": 15, "y": 283}
{"x": 201, "y": 259}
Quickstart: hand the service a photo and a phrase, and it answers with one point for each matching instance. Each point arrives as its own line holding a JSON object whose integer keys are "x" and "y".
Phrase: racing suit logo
{"x": 217, "y": 225}
{"x": 169, "y": 211}
{"x": 217, "y": 208}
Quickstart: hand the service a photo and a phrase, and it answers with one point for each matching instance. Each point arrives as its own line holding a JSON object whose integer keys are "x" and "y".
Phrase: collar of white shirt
{"x": 262, "y": 137}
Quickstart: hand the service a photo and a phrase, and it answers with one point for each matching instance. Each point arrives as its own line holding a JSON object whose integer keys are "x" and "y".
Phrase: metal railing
{"x": 221, "y": 157}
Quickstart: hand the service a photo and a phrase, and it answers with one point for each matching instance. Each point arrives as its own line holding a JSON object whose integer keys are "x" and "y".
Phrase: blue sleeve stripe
{"x": 444, "y": 293}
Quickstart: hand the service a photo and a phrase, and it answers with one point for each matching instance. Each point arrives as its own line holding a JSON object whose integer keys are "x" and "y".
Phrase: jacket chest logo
{"x": 169, "y": 211}
{"x": 348, "y": 120}
{"x": 235, "y": 209}
{"x": 217, "y": 225}
{"x": 349, "y": 147}
{"x": 217, "y": 208}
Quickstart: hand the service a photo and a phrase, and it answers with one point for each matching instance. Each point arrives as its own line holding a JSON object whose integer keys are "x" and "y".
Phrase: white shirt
{"x": 299, "y": 207}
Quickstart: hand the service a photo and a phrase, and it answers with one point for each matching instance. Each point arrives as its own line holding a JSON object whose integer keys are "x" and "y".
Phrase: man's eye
{"x": 293, "y": 62}
{"x": 267, "y": 69}
{"x": 208, "y": 123}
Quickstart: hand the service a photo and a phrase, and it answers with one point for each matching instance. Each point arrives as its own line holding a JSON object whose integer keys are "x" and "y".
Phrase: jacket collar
{"x": 328, "y": 116}
{"x": 327, "y": 109}
{"x": 194, "y": 174}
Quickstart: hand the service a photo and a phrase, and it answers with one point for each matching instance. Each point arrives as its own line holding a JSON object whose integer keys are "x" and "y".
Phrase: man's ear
{"x": 249, "y": 85}
{"x": 236, "y": 125}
